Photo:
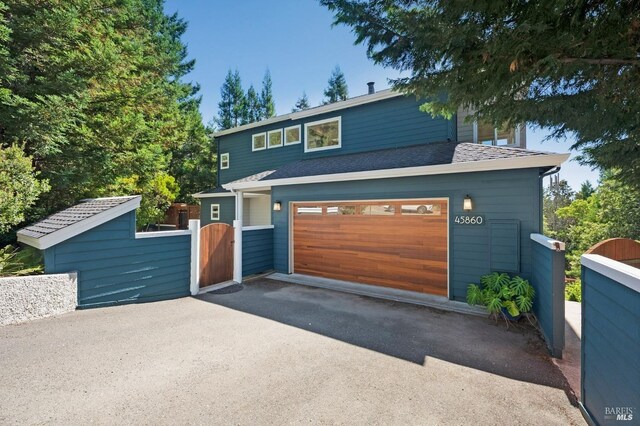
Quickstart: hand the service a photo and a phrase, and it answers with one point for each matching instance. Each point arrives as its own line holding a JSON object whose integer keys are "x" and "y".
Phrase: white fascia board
{"x": 546, "y": 160}
{"x": 256, "y": 227}
{"x": 158, "y": 234}
{"x": 212, "y": 194}
{"x": 547, "y": 242}
{"x": 228, "y": 194}
{"x": 358, "y": 100}
{"x": 622, "y": 273}
{"x": 79, "y": 227}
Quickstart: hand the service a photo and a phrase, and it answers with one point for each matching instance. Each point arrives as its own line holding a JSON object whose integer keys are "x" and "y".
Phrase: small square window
{"x": 292, "y": 135}
{"x": 259, "y": 142}
{"x": 274, "y": 138}
{"x": 224, "y": 160}
{"x": 215, "y": 211}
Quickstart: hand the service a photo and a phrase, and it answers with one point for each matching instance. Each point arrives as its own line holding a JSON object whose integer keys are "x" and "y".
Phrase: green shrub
{"x": 498, "y": 290}
{"x": 573, "y": 291}
{"x": 16, "y": 262}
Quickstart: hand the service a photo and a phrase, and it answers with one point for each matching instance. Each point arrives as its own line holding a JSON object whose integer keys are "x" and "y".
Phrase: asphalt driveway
{"x": 276, "y": 353}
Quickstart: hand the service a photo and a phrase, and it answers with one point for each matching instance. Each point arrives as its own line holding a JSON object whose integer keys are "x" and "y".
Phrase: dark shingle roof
{"x": 72, "y": 215}
{"x": 218, "y": 190}
{"x": 430, "y": 154}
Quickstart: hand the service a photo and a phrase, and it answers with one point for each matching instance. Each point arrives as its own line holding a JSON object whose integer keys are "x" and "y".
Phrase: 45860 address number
{"x": 468, "y": 220}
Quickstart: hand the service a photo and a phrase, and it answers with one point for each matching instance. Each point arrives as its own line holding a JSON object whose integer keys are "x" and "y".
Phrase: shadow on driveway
{"x": 408, "y": 332}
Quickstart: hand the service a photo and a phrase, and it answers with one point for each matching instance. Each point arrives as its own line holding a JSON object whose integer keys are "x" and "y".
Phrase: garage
{"x": 401, "y": 244}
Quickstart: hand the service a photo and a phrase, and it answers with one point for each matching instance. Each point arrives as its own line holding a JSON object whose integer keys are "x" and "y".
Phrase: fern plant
{"x": 16, "y": 262}
{"x": 498, "y": 292}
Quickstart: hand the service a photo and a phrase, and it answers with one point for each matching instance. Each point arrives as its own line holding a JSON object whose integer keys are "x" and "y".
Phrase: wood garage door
{"x": 399, "y": 244}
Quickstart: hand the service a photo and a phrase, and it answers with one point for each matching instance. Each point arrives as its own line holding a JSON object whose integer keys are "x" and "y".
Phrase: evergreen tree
{"x": 95, "y": 96}
{"x": 557, "y": 195}
{"x": 586, "y": 190}
{"x": 232, "y": 108}
{"x": 267, "y": 103}
{"x": 568, "y": 66}
{"x": 302, "y": 103}
{"x": 254, "y": 107}
{"x": 337, "y": 87}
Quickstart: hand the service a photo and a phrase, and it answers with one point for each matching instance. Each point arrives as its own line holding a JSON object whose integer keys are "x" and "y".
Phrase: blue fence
{"x": 610, "y": 385}
{"x": 257, "y": 250}
{"x": 548, "y": 280}
{"x": 115, "y": 265}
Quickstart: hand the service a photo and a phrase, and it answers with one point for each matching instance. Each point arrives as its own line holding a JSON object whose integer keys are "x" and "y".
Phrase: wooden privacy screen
{"x": 399, "y": 244}
{"x": 621, "y": 249}
{"x": 216, "y": 254}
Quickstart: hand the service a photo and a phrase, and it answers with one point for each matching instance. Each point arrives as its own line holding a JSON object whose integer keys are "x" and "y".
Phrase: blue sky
{"x": 294, "y": 39}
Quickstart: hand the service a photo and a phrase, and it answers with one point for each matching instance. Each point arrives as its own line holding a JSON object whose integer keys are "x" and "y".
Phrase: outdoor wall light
{"x": 467, "y": 206}
{"x": 277, "y": 206}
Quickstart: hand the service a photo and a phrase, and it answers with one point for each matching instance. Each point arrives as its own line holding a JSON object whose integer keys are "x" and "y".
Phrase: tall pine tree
{"x": 337, "y": 87}
{"x": 95, "y": 96}
{"x": 254, "y": 107}
{"x": 267, "y": 103}
{"x": 232, "y": 108}
{"x": 302, "y": 103}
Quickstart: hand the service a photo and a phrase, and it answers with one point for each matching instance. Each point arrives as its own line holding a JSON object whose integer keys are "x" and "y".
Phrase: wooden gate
{"x": 216, "y": 254}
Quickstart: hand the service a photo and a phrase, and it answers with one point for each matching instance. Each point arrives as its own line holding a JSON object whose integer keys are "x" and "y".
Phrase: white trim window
{"x": 274, "y": 138}
{"x": 485, "y": 134}
{"x": 215, "y": 211}
{"x": 259, "y": 141}
{"x": 323, "y": 134}
{"x": 224, "y": 160}
{"x": 293, "y": 135}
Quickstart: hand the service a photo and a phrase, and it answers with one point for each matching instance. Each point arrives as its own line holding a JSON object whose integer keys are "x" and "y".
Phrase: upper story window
{"x": 292, "y": 135}
{"x": 258, "y": 142}
{"x": 486, "y": 134}
{"x": 274, "y": 138}
{"x": 323, "y": 134}
{"x": 224, "y": 160}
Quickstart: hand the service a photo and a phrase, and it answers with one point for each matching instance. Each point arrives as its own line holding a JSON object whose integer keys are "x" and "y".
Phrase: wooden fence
{"x": 623, "y": 250}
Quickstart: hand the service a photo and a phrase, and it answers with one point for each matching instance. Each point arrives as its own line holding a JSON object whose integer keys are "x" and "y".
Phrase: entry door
{"x": 400, "y": 244}
{"x": 216, "y": 253}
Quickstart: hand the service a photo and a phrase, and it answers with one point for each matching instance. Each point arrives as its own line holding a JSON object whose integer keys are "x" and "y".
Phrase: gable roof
{"x": 351, "y": 102}
{"x": 75, "y": 220}
{"x": 424, "y": 159}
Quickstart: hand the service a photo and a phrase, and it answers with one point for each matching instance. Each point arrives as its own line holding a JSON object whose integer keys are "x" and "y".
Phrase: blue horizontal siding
{"x": 389, "y": 123}
{"x": 498, "y": 195}
{"x": 114, "y": 267}
{"x": 257, "y": 251}
{"x": 227, "y": 210}
{"x": 547, "y": 279}
{"x": 610, "y": 345}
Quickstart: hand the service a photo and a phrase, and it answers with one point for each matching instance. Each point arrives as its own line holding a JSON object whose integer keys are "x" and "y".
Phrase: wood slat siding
{"x": 610, "y": 346}
{"x": 114, "y": 267}
{"x": 216, "y": 253}
{"x": 386, "y": 124}
{"x": 400, "y": 251}
{"x": 547, "y": 279}
{"x": 257, "y": 251}
{"x": 509, "y": 194}
{"x": 620, "y": 249}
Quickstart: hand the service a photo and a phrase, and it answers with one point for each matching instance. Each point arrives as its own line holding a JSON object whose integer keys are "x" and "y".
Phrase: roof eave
{"x": 77, "y": 228}
{"x": 546, "y": 160}
{"x": 336, "y": 106}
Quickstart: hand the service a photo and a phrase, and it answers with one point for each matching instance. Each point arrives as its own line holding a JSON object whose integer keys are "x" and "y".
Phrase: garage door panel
{"x": 401, "y": 249}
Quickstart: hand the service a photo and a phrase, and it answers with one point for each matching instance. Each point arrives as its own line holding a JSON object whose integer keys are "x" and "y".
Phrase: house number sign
{"x": 464, "y": 219}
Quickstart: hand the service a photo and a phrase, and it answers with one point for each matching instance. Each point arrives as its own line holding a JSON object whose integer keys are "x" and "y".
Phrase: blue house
{"x": 373, "y": 191}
